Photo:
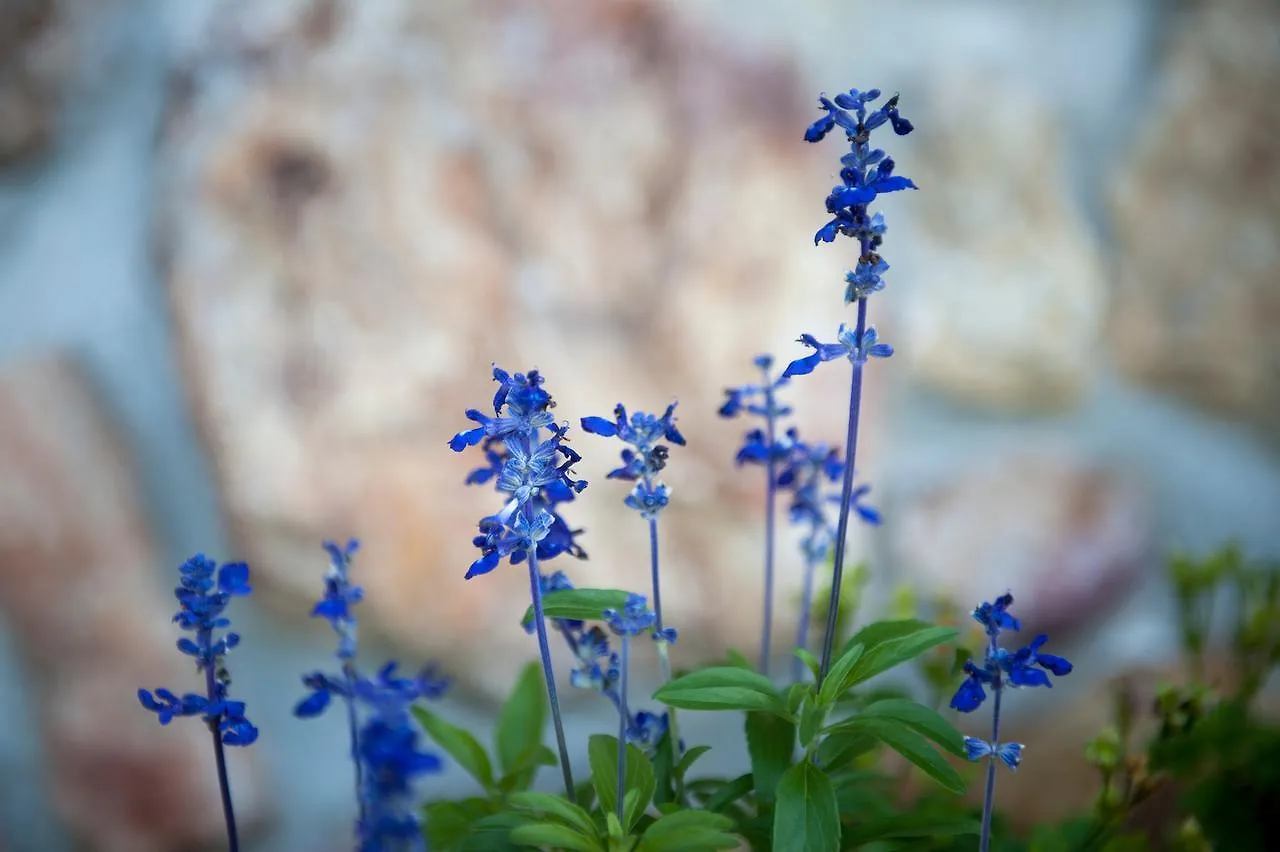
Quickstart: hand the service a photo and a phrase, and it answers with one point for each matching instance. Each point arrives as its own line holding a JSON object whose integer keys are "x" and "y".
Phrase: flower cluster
{"x": 532, "y": 471}
{"x": 762, "y": 401}
{"x": 1000, "y": 669}
{"x": 865, "y": 173}
{"x": 807, "y": 470}
{"x": 641, "y": 465}
{"x": 390, "y": 760}
{"x": 203, "y": 596}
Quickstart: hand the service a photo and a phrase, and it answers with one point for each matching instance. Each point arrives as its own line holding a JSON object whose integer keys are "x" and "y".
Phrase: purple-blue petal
{"x": 599, "y": 426}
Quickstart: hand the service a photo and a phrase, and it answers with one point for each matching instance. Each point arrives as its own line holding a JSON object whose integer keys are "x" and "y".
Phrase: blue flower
{"x": 646, "y": 458}
{"x": 856, "y": 349}
{"x": 995, "y": 617}
{"x": 533, "y": 471}
{"x": 634, "y": 618}
{"x": 340, "y": 597}
{"x": 1010, "y": 754}
{"x": 203, "y": 595}
{"x": 758, "y": 399}
{"x": 1026, "y": 667}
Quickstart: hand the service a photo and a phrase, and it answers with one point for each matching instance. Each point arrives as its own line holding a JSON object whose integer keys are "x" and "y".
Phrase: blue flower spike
{"x": 528, "y": 459}
{"x": 866, "y": 173}
{"x": 766, "y": 448}
{"x": 1001, "y": 669}
{"x": 632, "y": 620}
{"x": 204, "y": 592}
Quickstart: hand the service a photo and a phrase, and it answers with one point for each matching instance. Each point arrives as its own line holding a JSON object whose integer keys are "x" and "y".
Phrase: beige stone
{"x": 1005, "y": 310}
{"x": 77, "y": 589}
{"x": 1197, "y": 217}
{"x": 358, "y": 218}
{"x": 1061, "y": 532}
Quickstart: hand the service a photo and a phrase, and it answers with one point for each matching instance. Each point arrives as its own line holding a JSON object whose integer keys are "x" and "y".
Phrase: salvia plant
{"x": 830, "y": 747}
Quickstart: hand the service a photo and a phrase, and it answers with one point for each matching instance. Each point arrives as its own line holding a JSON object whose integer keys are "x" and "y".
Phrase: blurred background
{"x": 257, "y": 258}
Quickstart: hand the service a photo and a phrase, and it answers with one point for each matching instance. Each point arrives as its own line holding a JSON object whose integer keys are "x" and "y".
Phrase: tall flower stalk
{"x": 761, "y": 446}
{"x": 634, "y": 618}
{"x": 1000, "y": 669}
{"x": 526, "y": 455}
{"x": 203, "y": 595}
{"x": 808, "y": 470}
{"x": 865, "y": 173}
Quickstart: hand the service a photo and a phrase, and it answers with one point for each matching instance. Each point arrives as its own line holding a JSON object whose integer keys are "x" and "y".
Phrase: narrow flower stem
{"x": 846, "y": 498}
{"x": 770, "y": 501}
{"x": 806, "y": 607}
{"x": 988, "y": 801}
{"x": 544, "y": 648}
{"x": 623, "y": 713}
{"x": 664, "y": 656}
{"x": 220, "y": 757}
{"x": 349, "y": 673}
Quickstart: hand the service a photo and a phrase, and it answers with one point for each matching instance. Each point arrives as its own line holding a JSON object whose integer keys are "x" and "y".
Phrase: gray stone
{"x": 76, "y": 588}
{"x": 1197, "y": 217}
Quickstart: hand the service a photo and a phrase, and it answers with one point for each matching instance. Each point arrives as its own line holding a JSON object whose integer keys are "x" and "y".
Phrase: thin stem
{"x": 623, "y": 714}
{"x": 846, "y": 498}
{"x": 220, "y": 757}
{"x": 806, "y": 608}
{"x": 664, "y": 657}
{"x": 770, "y": 500}
{"x": 544, "y": 648}
{"x": 349, "y": 672}
{"x": 989, "y": 799}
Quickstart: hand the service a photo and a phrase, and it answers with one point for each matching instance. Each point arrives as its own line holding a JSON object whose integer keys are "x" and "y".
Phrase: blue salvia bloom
{"x": 203, "y": 595}
{"x": 865, "y": 174}
{"x": 642, "y": 463}
{"x": 765, "y": 447}
{"x": 1028, "y": 666}
{"x": 532, "y": 468}
{"x": 391, "y": 760}
{"x": 808, "y": 470}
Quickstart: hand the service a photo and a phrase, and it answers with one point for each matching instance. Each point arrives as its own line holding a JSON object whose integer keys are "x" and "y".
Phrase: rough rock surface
{"x": 1197, "y": 216}
{"x": 1065, "y": 535}
{"x": 76, "y": 588}
{"x": 367, "y": 204}
{"x": 1004, "y": 306}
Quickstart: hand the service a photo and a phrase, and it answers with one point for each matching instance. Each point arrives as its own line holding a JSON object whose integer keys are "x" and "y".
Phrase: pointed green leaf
{"x": 796, "y": 694}
{"x": 911, "y": 745}
{"x": 812, "y": 718}
{"x": 836, "y": 682}
{"x": 493, "y": 833}
{"x": 837, "y": 750}
{"x": 806, "y": 818}
{"x": 689, "y": 831}
{"x": 522, "y": 720}
{"x": 526, "y": 768}
{"x": 554, "y": 808}
{"x": 602, "y": 754}
{"x": 924, "y": 720}
{"x": 810, "y": 661}
{"x": 771, "y": 743}
{"x": 730, "y": 792}
{"x": 459, "y": 744}
{"x": 578, "y": 604}
{"x": 877, "y": 633}
{"x": 895, "y": 651}
{"x": 722, "y": 688}
{"x": 558, "y": 836}
{"x": 689, "y": 758}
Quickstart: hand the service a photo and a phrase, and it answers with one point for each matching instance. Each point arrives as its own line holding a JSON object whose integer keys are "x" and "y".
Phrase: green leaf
{"x": 837, "y": 749}
{"x": 737, "y": 660}
{"x": 522, "y": 774}
{"x": 459, "y": 744}
{"x": 521, "y": 721}
{"x": 689, "y": 758}
{"x": 810, "y": 661}
{"x": 836, "y": 682}
{"x": 578, "y": 604}
{"x": 555, "y": 808}
{"x": 493, "y": 834}
{"x": 602, "y": 754}
{"x": 905, "y": 645}
{"x": 909, "y": 826}
{"x": 879, "y": 632}
{"x": 924, "y": 720}
{"x": 907, "y": 742}
{"x": 559, "y": 836}
{"x": 811, "y": 720}
{"x": 771, "y": 743}
{"x": 806, "y": 818}
{"x": 796, "y": 695}
{"x": 664, "y": 770}
{"x": 730, "y": 792}
{"x": 689, "y": 831}
{"x": 723, "y": 688}
{"x": 447, "y": 823}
